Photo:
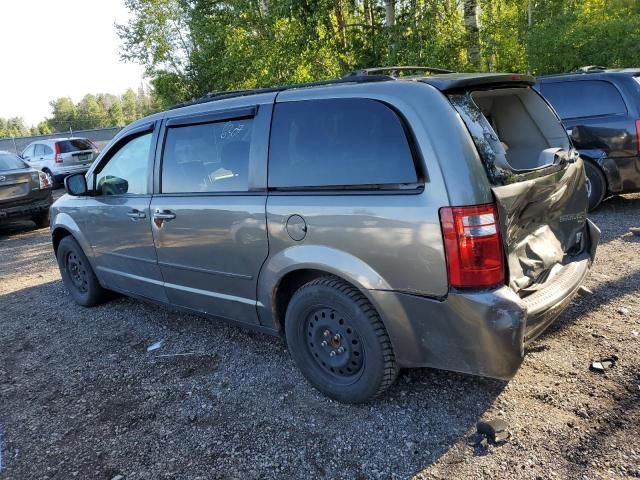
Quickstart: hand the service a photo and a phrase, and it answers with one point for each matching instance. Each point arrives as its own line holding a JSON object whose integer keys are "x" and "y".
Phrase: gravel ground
{"x": 81, "y": 397}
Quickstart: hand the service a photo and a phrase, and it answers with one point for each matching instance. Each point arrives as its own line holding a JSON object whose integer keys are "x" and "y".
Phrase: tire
{"x": 596, "y": 185}
{"x": 42, "y": 219}
{"x": 332, "y": 311}
{"x": 77, "y": 274}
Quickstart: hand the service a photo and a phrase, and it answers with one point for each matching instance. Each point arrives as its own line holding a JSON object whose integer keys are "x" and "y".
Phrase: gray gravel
{"x": 81, "y": 397}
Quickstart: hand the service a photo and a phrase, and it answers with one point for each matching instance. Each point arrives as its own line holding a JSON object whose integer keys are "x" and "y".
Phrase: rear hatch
{"x": 76, "y": 151}
{"x": 16, "y": 179}
{"x": 536, "y": 176}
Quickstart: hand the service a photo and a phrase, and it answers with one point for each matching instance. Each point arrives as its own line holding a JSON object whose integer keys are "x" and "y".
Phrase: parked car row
{"x": 376, "y": 222}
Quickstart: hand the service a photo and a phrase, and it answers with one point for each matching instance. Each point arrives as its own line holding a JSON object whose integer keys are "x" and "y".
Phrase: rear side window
{"x": 209, "y": 157}
{"x": 338, "y": 142}
{"x": 76, "y": 145}
{"x": 48, "y": 150}
{"x": 39, "y": 152}
{"x": 584, "y": 98}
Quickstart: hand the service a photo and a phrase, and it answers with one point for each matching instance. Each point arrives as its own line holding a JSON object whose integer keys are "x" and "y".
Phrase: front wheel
{"x": 339, "y": 342}
{"x": 78, "y": 275}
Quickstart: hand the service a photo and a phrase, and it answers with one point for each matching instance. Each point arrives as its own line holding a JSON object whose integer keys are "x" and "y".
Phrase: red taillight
{"x": 58, "y": 157}
{"x": 638, "y": 134}
{"x": 473, "y": 246}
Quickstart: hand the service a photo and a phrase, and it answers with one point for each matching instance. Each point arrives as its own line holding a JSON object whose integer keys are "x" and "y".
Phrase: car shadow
{"x": 217, "y": 388}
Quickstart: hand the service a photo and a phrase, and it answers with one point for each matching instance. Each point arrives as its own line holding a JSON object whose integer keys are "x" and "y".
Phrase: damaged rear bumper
{"x": 479, "y": 333}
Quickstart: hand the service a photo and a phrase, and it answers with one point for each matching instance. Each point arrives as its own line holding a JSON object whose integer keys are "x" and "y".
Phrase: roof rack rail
{"x": 210, "y": 97}
{"x": 590, "y": 68}
{"x": 394, "y": 70}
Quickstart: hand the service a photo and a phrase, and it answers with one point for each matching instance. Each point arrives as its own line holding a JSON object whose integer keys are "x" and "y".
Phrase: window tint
{"x": 9, "y": 161}
{"x": 76, "y": 145}
{"x": 338, "y": 142}
{"x": 584, "y": 98}
{"x": 48, "y": 150}
{"x": 28, "y": 152}
{"x": 39, "y": 151}
{"x": 127, "y": 170}
{"x": 210, "y": 157}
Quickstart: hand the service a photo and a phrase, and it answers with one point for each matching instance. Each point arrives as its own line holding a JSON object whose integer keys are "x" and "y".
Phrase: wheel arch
{"x": 287, "y": 271}
{"x": 63, "y": 225}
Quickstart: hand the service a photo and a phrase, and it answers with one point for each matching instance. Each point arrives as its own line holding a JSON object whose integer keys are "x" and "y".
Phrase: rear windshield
{"x": 514, "y": 131}
{"x": 79, "y": 144}
{"x": 9, "y": 161}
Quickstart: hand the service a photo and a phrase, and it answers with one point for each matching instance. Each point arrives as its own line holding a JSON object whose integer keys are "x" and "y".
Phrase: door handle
{"x": 164, "y": 215}
{"x": 136, "y": 214}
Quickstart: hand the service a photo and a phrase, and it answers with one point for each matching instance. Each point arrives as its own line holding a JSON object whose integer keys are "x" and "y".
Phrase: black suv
{"x": 600, "y": 109}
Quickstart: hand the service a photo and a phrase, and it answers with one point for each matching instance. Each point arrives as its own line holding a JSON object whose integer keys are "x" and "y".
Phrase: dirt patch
{"x": 81, "y": 397}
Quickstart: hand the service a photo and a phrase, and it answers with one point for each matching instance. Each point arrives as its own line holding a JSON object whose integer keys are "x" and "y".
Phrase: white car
{"x": 60, "y": 157}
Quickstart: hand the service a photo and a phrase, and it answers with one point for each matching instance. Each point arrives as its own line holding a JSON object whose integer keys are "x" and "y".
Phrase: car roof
{"x": 442, "y": 81}
{"x": 590, "y": 73}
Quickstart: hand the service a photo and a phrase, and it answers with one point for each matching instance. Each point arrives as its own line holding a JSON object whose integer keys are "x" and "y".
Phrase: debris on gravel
{"x": 495, "y": 430}
{"x": 80, "y": 396}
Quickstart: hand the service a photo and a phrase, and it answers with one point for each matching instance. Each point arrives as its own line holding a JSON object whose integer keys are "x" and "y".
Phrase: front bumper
{"x": 480, "y": 333}
{"x": 26, "y": 209}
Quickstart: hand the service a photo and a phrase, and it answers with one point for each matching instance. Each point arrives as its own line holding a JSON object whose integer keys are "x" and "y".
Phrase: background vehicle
{"x": 378, "y": 222}
{"x": 601, "y": 111}
{"x": 61, "y": 156}
{"x": 25, "y": 193}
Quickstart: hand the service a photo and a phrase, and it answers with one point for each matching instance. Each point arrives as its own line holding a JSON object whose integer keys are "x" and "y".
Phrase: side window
{"x": 209, "y": 157}
{"x": 127, "y": 170}
{"x": 28, "y": 152}
{"x": 48, "y": 150}
{"x": 584, "y": 98}
{"x": 338, "y": 142}
{"x": 39, "y": 150}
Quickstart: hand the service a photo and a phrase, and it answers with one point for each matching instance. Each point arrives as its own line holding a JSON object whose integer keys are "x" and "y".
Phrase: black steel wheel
{"x": 339, "y": 341}
{"x": 77, "y": 274}
{"x": 335, "y": 344}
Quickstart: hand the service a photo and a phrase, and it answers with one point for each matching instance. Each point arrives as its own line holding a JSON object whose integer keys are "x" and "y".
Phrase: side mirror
{"x": 76, "y": 185}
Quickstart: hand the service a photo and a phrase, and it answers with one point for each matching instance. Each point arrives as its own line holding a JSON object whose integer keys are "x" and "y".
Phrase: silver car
{"x": 60, "y": 157}
{"x": 376, "y": 222}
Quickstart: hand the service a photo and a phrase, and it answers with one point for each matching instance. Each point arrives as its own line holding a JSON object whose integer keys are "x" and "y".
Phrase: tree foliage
{"x": 191, "y": 47}
{"x": 100, "y": 111}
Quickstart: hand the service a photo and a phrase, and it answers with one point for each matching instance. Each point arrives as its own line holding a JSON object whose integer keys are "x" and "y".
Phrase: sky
{"x": 60, "y": 48}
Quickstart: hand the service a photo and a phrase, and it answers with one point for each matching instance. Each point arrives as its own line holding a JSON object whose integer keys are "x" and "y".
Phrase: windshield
{"x": 9, "y": 161}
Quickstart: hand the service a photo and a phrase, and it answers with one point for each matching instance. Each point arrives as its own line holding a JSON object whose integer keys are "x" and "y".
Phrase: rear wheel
{"x": 596, "y": 185}
{"x": 77, "y": 274}
{"x": 339, "y": 342}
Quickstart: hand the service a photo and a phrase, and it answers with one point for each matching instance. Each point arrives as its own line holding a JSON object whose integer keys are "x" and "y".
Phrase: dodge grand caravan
{"x": 376, "y": 222}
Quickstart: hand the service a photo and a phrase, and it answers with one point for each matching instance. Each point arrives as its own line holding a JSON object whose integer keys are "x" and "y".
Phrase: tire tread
{"x": 390, "y": 369}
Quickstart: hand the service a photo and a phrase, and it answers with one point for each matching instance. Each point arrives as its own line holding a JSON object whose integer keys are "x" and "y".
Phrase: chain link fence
{"x": 99, "y": 136}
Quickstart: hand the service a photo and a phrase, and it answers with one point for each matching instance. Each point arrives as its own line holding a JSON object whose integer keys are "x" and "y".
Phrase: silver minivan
{"x": 376, "y": 222}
